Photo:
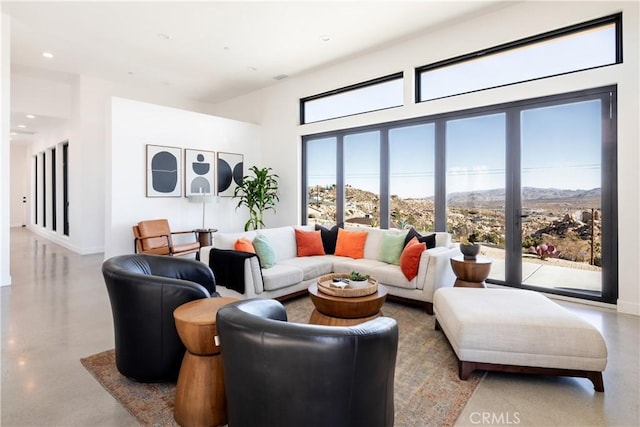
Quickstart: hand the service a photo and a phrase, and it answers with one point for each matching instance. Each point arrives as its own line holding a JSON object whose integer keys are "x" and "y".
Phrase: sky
{"x": 560, "y": 148}
{"x": 560, "y": 145}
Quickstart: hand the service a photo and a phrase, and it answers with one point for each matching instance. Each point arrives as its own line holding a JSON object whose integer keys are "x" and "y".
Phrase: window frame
{"x": 609, "y": 183}
{"x": 518, "y": 44}
{"x": 346, "y": 89}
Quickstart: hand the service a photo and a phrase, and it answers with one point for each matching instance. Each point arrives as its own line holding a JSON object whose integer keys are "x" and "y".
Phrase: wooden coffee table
{"x": 345, "y": 311}
{"x": 200, "y": 395}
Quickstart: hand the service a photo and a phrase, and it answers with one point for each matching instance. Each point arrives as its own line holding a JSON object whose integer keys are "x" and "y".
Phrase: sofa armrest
{"x": 253, "y": 283}
{"x": 435, "y": 269}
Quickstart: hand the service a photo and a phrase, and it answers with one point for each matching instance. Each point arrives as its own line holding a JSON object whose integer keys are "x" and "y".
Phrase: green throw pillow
{"x": 265, "y": 251}
{"x": 392, "y": 245}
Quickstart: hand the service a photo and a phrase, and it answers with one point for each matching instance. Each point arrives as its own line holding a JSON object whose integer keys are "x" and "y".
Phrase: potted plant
{"x": 357, "y": 280}
{"x": 258, "y": 193}
{"x": 468, "y": 246}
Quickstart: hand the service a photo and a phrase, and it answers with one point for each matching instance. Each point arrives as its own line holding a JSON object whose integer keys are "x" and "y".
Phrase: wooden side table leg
{"x": 200, "y": 395}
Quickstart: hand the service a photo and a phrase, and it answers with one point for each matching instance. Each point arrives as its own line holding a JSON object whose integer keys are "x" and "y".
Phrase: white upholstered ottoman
{"x": 518, "y": 331}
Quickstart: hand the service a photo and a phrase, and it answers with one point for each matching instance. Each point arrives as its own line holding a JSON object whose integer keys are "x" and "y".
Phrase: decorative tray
{"x": 326, "y": 286}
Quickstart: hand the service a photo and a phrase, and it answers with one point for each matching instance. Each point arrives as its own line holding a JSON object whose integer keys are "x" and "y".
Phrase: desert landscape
{"x": 570, "y": 220}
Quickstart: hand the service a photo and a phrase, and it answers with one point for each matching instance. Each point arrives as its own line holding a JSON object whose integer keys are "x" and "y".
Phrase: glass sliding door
{"x": 362, "y": 178}
{"x": 411, "y": 177}
{"x": 561, "y": 172}
{"x": 535, "y": 180}
{"x": 475, "y": 183}
{"x": 320, "y": 164}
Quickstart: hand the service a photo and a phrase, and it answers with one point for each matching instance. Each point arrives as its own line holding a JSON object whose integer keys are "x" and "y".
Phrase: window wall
{"x": 522, "y": 176}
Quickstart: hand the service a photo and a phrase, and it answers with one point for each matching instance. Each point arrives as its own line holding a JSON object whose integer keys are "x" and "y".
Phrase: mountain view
{"x": 568, "y": 219}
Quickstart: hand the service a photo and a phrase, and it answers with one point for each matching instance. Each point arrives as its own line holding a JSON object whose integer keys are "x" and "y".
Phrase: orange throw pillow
{"x": 243, "y": 244}
{"x": 351, "y": 243}
{"x": 309, "y": 243}
{"x": 410, "y": 258}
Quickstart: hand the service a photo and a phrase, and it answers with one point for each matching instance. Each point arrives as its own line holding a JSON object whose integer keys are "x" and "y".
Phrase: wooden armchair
{"x": 155, "y": 237}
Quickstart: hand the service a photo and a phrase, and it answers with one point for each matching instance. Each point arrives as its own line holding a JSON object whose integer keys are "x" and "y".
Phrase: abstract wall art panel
{"x": 199, "y": 172}
{"x": 230, "y": 172}
{"x": 164, "y": 171}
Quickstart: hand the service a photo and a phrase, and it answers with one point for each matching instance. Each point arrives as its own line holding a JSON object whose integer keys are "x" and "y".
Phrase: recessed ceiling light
{"x": 22, "y": 126}
{"x": 164, "y": 36}
{"x": 30, "y": 116}
{"x": 325, "y": 38}
{"x": 14, "y": 133}
{"x": 48, "y": 55}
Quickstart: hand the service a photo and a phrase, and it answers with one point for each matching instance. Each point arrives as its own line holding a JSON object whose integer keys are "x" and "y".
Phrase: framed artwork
{"x": 199, "y": 172}
{"x": 230, "y": 171}
{"x": 164, "y": 174}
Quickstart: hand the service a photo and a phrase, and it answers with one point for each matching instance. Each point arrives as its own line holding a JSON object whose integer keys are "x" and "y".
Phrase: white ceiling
{"x": 208, "y": 50}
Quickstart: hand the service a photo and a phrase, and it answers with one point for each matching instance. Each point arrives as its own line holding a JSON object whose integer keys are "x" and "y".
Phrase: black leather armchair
{"x": 144, "y": 290}
{"x": 283, "y": 374}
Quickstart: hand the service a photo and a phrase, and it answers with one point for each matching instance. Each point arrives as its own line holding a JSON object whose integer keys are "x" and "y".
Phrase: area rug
{"x": 427, "y": 389}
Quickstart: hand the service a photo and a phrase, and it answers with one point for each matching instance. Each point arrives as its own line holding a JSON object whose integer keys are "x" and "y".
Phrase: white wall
{"x": 136, "y": 124}
{"x": 276, "y": 108}
{"x": 84, "y": 104}
{"x": 5, "y": 89}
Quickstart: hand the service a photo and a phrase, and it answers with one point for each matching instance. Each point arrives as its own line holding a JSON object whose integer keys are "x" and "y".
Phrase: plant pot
{"x": 470, "y": 252}
{"x": 358, "y": 283}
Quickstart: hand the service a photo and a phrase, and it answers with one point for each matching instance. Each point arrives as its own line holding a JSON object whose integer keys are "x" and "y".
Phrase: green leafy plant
{"x": 258, "y": 193}
{"x": 357, "y": 277}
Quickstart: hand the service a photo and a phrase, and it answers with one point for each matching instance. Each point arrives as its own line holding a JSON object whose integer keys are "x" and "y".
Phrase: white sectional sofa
{"x": 292, "y": 275}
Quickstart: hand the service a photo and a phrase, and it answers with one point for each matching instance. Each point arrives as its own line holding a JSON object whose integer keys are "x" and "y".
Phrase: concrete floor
{"x": 57, "y": 311}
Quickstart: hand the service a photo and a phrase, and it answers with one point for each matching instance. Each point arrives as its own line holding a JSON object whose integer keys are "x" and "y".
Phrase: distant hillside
{"x": 528, "y": 193}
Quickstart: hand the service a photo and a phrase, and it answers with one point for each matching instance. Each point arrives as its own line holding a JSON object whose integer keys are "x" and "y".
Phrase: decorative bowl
{"x": 358, "y": 283}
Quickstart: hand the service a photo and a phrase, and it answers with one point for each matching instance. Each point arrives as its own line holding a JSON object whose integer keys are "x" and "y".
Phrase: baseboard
{"x": 628, "y": 307}
{"x": 64, "y": 241}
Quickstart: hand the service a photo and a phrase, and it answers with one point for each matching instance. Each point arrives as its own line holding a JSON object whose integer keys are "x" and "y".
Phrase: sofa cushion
{"x": 265, "y": 251}
{"x": 428, "y": 239}
{"x": 245, "y": 245}
{"x": 283, "y": 241}
{"x": 228, "y": 240}
{"x": 410, "y": 258}
{"x": 362, "y": 266}
{"x": 443, "y": 239}
{"x": 391, "y": 248}
{"x": 308, "y": 243}
{"x": 280, "y": 276}
{"x": 312, "y": 266}
{"x": 351, "y": 243}
{"x": 390, "y": 274}
{"x": 329, "y": 237}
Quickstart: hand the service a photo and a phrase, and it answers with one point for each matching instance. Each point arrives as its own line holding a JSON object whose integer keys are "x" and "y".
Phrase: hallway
{"x": 55, "y": 312}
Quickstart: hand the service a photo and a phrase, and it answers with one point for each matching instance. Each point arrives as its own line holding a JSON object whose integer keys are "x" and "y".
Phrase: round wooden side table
{"x": 200, "y": 395}
{"x": 470, "y": 273}
{"x": 204, "y": 236}
{"x": 343, "y": 311}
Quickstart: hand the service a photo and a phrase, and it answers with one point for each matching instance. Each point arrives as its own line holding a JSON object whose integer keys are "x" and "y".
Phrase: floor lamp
{"x": 203, "y": 198}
